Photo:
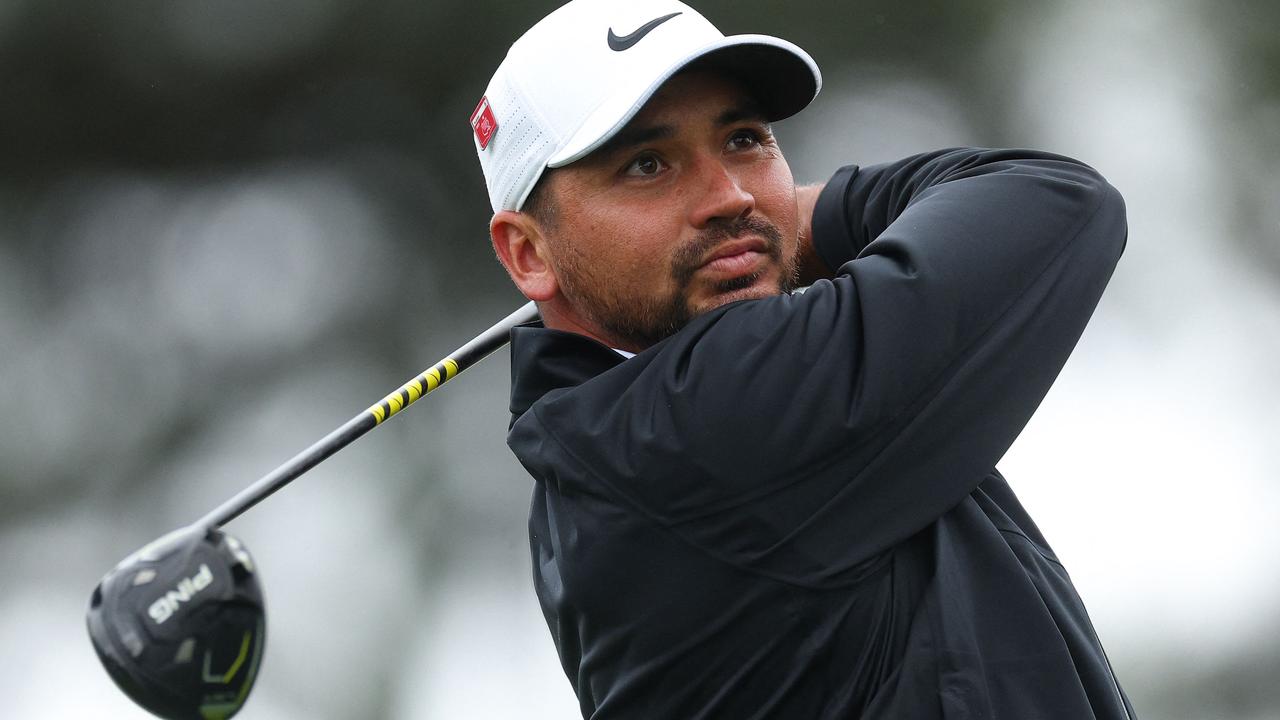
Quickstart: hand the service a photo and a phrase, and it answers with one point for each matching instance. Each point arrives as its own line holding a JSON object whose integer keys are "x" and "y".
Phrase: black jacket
{"x": 789, "y": 509}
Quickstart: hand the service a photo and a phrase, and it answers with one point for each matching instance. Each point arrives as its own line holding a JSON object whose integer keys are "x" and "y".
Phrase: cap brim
{"x": 781, "y": 76}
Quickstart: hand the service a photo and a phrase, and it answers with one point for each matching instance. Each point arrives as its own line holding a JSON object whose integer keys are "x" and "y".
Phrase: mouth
{"x": 737, "y": 257}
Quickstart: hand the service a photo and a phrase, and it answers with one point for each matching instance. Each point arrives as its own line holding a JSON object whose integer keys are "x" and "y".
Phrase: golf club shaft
{"x": 443, "y": 371}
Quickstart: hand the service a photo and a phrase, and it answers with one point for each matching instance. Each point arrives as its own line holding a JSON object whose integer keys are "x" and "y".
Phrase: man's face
{"x": 689, "y": 207}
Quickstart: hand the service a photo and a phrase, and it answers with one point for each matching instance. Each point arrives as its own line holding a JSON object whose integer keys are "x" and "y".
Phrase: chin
{"x": 746, "y": 287}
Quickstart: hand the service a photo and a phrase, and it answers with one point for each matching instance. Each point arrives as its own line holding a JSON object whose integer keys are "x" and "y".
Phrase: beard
{"x": 643, "y": 321}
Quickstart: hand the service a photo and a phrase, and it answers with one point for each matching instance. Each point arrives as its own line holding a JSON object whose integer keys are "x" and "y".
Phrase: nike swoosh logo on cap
{"x": 627, "y": 41}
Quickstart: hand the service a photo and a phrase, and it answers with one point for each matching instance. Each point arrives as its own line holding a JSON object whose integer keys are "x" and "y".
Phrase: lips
{"x": 736, "y": 256}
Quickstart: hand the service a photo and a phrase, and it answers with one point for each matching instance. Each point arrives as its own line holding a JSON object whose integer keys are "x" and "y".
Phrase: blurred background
{"x": 226, "y": 227}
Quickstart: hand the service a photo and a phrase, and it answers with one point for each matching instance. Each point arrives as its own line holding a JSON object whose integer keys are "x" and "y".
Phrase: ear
{"x": 522, "y": 249}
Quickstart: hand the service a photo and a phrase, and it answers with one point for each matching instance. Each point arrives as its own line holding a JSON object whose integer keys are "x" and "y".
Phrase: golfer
{"x": 754, "y": 503}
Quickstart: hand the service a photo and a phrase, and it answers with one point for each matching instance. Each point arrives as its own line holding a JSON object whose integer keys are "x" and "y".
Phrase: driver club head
{"x": 180, "y": 625}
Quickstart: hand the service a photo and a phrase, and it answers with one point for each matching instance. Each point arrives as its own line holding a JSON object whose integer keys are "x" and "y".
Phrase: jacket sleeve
{"x": 801, "y": 436}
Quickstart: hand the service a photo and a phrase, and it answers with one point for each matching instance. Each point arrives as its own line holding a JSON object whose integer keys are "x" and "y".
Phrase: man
{"x": 756, "y": 504}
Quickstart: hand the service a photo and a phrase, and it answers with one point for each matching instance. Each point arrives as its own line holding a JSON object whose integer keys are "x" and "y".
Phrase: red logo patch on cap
{"x": 484, "y": 123}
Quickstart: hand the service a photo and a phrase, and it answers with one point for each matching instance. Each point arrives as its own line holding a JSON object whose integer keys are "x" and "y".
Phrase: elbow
{"x": 1074, "y": 187}
{"x": 1110, "y": 219}
{"x": 1102, "y": 193}
{"x": 1085, "y": 202}
{"x": 1100, "y": 205}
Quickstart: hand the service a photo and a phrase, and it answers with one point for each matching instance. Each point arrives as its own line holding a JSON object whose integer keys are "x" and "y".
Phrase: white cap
{"x": 578, "y": 77}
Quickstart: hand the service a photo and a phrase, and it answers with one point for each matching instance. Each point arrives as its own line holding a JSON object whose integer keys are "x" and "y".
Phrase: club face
{"x": 180, "y": 625}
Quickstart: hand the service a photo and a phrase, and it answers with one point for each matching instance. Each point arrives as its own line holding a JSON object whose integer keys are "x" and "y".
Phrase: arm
{"x": 800, "y": 436}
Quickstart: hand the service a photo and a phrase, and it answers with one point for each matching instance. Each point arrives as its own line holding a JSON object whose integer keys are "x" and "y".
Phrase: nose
{"x": 719, "y": 195}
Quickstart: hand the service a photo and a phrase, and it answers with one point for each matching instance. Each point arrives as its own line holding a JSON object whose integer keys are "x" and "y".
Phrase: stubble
{"x": 645, "y": 320}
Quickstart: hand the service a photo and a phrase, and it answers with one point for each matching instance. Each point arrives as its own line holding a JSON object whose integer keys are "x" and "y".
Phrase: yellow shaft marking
{"x": 414, "y": 389}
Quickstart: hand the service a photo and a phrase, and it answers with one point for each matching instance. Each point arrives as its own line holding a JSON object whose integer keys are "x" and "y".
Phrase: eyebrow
{"x": 740, "y": 113}
{"x": 630, "y": 137}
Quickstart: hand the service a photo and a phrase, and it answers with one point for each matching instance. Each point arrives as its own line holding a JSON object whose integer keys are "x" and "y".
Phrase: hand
{"x": 811, "y": 267}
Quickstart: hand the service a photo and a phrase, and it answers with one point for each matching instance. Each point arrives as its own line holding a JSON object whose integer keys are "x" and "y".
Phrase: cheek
{"x": 614, "y": 250}
{"x": 637, "y": 239}
{"x": 776, "y": 199}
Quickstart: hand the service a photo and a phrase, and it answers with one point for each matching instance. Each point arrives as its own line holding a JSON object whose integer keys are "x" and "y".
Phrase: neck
{"x": 557, "y": 315}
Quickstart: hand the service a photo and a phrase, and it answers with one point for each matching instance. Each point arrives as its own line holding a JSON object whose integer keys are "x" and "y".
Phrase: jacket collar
{"x": 543, "y": 360}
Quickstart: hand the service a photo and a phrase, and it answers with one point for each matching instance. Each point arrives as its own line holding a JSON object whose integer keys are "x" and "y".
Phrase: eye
{"x": 644, "y": 165}
{"x": 743, "y": 139}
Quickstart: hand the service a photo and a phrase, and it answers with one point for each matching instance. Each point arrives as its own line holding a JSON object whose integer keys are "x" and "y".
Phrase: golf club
{"x": 180, "y": 624}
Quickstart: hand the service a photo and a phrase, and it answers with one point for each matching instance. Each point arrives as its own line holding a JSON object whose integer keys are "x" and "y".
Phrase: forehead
{"x": 694, "y": 97}
{"x": 690, "y": 99}
{"x": 695, "y": 90}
